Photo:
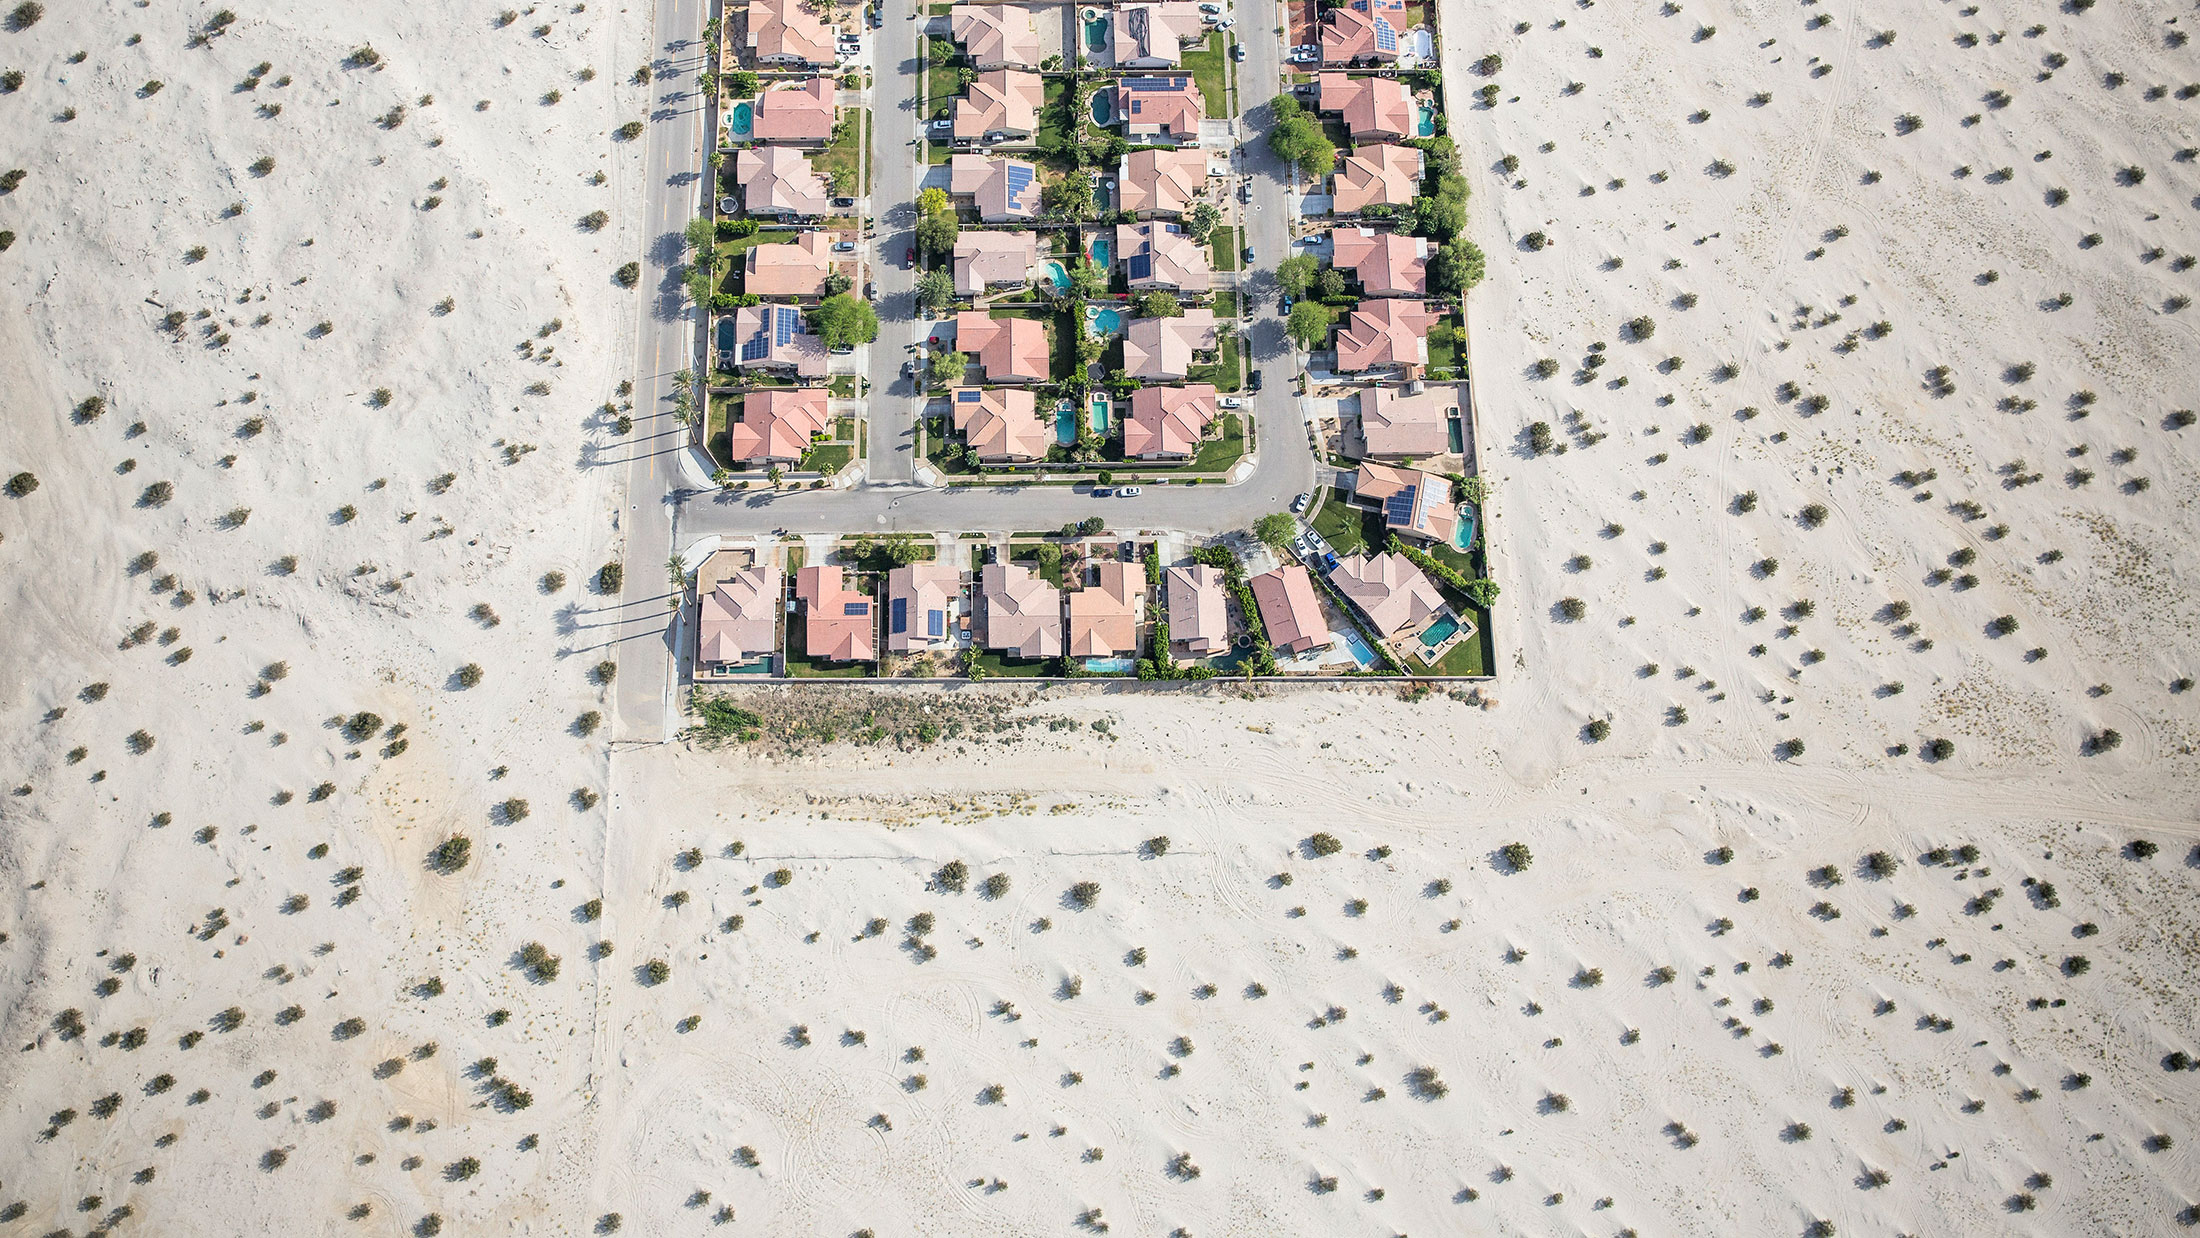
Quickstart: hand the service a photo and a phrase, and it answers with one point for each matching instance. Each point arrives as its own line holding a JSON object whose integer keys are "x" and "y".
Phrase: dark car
{"x": 1255, "y": 383}
{"x": 1103, "y": 492}
{"x": 909, "y": 257}
{"x": 1237, "y": 52}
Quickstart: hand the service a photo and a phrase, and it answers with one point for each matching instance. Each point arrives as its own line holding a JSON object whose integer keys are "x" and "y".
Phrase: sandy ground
{"x": 152, "y": 892}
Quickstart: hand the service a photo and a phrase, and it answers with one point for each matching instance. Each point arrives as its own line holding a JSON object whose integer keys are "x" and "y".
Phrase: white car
{"x": 1230, "y": 401}
{"x": 1226, "y": 23}
{"x": 1129, "y": 492}
{"x": 1210, "y": 8}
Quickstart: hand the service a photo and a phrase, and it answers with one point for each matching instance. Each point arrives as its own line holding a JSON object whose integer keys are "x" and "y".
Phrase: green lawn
{"x": 942, "y": 80}
{"x": 721, "y": 408}
{"x": 997, "y": 663}
{"x": 1340, "y": 134}
{"x": 1225, "y": 374}
{"x": 840, "y": 162}
{"x": 1226, "y": 304}
{"x": 1206, "y": 68}
{"x": 1348, "y": 529}
{"x": 731, "y": 264}
{"x": 1443, "y": 347}
{"x": 1468, "y": 657}
{"x": 1217, "y": 455}
{"x": 842, "y": 385}
{"x": 1224, "y": 242}
{"x": 1051, "y": 117}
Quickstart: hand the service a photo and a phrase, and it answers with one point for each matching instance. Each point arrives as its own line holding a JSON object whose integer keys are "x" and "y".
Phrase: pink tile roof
{"x": 1372, "y": 107}
{"x": 1023, "y": 613}
{"x": 1162, "y": 348}
{"x": 1161, "y": 182}
{"x": 1168, "y": 421}
{"x": 1001, "y": 423}
{"x": 1199, "y": 615}
{"x": 838, "y": 623}
{"x": 739, "y": 618}
{"x": 794, "y": 113}
{"x": 1394, "y": 423}
{"x": 996, "y": 36}
{"x": 1150, "y": 36}
{"x": 1167, "y": 256}
{"x": 1004, "y": 102}
{"x": 778, "y": 180}
{"x": 787, "y": 32}
{"x": 923, "y": 590}
{"x": 1012, "y": 350}
{"x": 798, "y": 269}
{"x": 1005, "y": 190}
{"x": 1389, "y": 590}
{"x": 1371, "y": 175}
{"x": 802, "y": 353}
{"x": 1349, "y": 35}
{"x": 1387, "y": 264}
{"x": 1289, "y": 609}
{"x": 777, "y": 424}
{"x": 1103, "y": 617}
{"x": 1429, "y": 516}
{"x": 1173, "y": 114}
{"x": 1382, "y": 334}
{"x": 991, "y": 259}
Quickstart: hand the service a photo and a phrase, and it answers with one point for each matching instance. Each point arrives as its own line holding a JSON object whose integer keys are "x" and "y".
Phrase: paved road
{"x": 896, "y": 167}
{"x": 642, "y": 623}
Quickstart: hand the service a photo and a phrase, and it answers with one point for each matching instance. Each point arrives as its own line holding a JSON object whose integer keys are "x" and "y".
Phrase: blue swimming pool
{"x": 1096, "y": 33}
{"x": 1057, "y": 274}
{"x": 1100, "y": 410}
{"x": 1065, "y": 423}
{"x": 1110, "y": 666}
{"x": 1103, "y": 251}
{"x": 1360, "y": 652}
{"x": 1439, "y": 631}
{"x": 1103, "y": 107}
{"x": 1428, "y": 121}
{"x": 1107, "y": 322}
{"x": 1462, "y": 534}
{"x": 740, "y": 120}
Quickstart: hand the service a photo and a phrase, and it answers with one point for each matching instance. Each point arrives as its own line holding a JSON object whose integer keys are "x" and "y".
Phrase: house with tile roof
{"x": 772, "y": 338}
{"x": 923, "y": 601}
{"x": 785, "y": 34}
{"x": 1386, "y": 264}
{"x": 1353, "y": 37}
{"x": 1414, "y": 504}
{"x": 1401, "y": 423}
{"x": 1161, "y": 256}
{"x": 839, "y": 623}
{"x": 1001, "y": 424}
{"x": 1163, "y": 183}
{"x": 1004, "y": 190}
{"x": 777, "y": 425}
{"x": 1164, "y": 349}
{"x": 1021, "y": 613}
{"x": 1199, "y": 610}
{"x": 1375, "y": 109}
{"x": 1000, "y": 106}
{"x": 1379, "y": 175}
{"x": 777, "y": 182}
{"x": 795, "y": 113}
{"x": 1168, "y": 423}
{"x": 1385, "y": 335}
{"x": 988, "y": 260}
{"x": 1011, "y": 350}
{"x": 996, "y": 36}
{"x": 797, "y": 268}
{"x": 1290, "y": 609}
{"x": 737, "y": 623}
{"x": 1390, "y": 591}
{"x": 1160, "y": 110}
{"x": 1152, "y": 36}
{"x": 1104, "y": 615}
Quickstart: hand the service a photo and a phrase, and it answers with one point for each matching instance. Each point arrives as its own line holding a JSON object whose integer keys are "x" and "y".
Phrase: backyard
{"x": 801, "y": 666}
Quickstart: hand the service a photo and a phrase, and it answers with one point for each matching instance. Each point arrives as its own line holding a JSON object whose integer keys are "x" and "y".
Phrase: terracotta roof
{"x": 1199, "y": 615}
{"x": 1005, "y": 190}
{"x": 778, "y": 424}
{"x": 1152, "y": 35}
{"x": 920, "y": 606}
{"x": 739, "y": 619}
{"x": 785, "y": 30}
{"x": 789, "y": 270}
{"x": 1162, "y": 348}
{"x": 771, "y": 337}
{"x": 1382, "y": 334}
{"x": 1103, "y": 617}
{"x": 1387, "y": 264}
{"x": 839, "y": 624}
{"x": 1012, "y": 350}
{"x": 987, "y": 259}
{"x": 778, "y": 180}
{"x": 1389, "y": 590}
{"x": 995, "y": 36}
{"x": 1160, "y": 107}
{"x": 1023, "y": 613}
{"x": 1004, "y": 101}
{"x": 1394, "y": 423}
{"x": 1414, "y": 503}
{"x": 1373, "y": 107}
{"x": 1349, "y": 35}
{"x": 1160, "y": 255}
{"x": 1168, "y": 421}
{"x": 792, "y": 112}
{"x": 1160, "y": 182}
{"x": 1385, "y": 174}
{"x": 1001, "y": 423}
{"x": 1289, "y": 609}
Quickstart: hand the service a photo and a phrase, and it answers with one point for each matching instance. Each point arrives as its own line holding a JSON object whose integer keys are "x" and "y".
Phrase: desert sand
{"x": 245, "y": 997}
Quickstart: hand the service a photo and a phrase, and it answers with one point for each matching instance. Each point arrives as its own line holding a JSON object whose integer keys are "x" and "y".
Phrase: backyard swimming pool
{"x": 1100, "y": 411}
{"x": 1428, "y": 121}
{"x": 1107, "y": 321}
{"x": 1439, "y": 631}
{"x": 1110, "y": 666}
{"x": 1096, "y": 32}
{"x": 1065, "y": 423}
{"x": 1462, "y": 533}
{"x": 1103, "y": 108}
{"x": 1057, "y": 274}
{"x": 1360, "y": 652}
{"x": 739, "y": 121}
{"x": 1103, "y": 251}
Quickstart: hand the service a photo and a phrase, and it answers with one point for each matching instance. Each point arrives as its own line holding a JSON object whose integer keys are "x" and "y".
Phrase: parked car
{"x": 842, "y": 350}
{"x": 1103, "y": 492}
{"x": 1299, "y": 504}
{"x": 1288, "y": 302}
{"x": 844, "y": 201}
{"x": 1300, "y": 545}
{"x": 1226, "y": 23}
{"x": 909, "y": 258}
{"x": 877, "y": 21}
{"x": 1210, "y": 8}
{"x": 1245, "y": 192}
{"x": 1248, "y": 255}
{"x": 1130, "y": 492}
{"x": 1230, "y": 401}
{"x": 908, "y": 369}
{"x": 1237, "y": 52}
{"x": 944, "y": 123}
{"x": 1315, "y": 540}
{"x": 870, "y": 292}
{"x": 844, "y": 247}
{"x": 1255, "y": 382}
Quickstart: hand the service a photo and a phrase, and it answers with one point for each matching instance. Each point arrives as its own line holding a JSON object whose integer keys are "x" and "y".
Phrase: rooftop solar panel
{"x": 935, "y": 623}
{"x": 900, "y": 616}
{"x": 1386, "y": 38}
{"x": 1140, "y": 266}
{"x": 971, "y": 396}
{"x": 1398, "y": 508}
{"x": 855, "y": 608}
{"x": 784, "y": 325}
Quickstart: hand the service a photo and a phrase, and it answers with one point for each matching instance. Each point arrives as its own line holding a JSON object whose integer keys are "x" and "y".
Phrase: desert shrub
{"x": 1517, "y": 857}
{"x": 469, "y": 675}
{"x": 451, "y": 855}
{"x": 953, "y": 876}
{"x": 609, "y": 577}
{"x": 1324, "y": 844}
{"x": 657, "y": 970}
{"x": 1084, "y": 894}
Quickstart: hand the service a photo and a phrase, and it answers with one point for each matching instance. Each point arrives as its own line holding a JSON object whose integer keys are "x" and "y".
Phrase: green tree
{"x": 936, "y": 289}
{"x": 1087, "y": 281}
{"x": 1331, "y": 283}
{"x": 949, "y": 367}
{"x": 933, "y": 200}
{"x": 1456, "y": 267}
{"x": 1200, "y": 221}
{"x": 1069, "y": 197}
{"x": 1442, "y": 155}
{"x": 742, "y": 84}
{"x": 1438, "y": 218}
{"x": 936, "y": 234}
{"x": 1301, "y": 141}
{"x": 1296, "y": 273}
{"x": 1160, "y": 305}
{"x": 1285, "y": 107}
{"x": 1309, "y": 324}
{"x": 698, "y": 285}
{"x": 700, "y": 233}
{"x": 842, "y": 321}
{"x": 1276, "y": 529}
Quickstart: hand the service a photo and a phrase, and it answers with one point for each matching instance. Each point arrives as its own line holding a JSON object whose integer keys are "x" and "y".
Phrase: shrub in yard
{"x": 609, "y": 577}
